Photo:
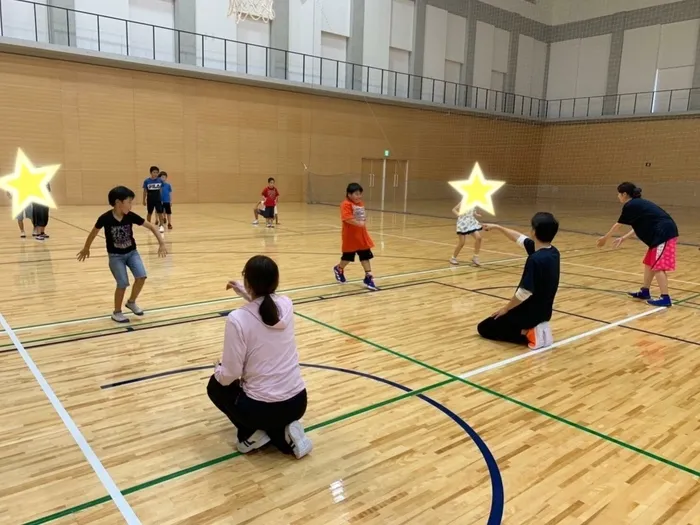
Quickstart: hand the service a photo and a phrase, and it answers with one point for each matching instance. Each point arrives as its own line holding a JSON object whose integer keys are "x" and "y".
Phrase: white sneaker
{"x": 475, "y": 260}
{"x": 296, "y": 437}
{"x": 254, "y": 442}
{"x": 161, "y": 229}
{"x": 540, "y": 336}
{"x": 119, "y": 317}
{"x": 454, "y": 261}
{"x": 134, "y": 308}
{"x": 256, "y": 222}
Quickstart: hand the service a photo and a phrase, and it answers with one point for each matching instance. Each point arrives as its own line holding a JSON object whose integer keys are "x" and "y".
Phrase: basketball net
{"x": 253, "y": 9}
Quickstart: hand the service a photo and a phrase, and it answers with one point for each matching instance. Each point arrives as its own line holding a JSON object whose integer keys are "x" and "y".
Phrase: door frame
{"x": 383, "y": 160}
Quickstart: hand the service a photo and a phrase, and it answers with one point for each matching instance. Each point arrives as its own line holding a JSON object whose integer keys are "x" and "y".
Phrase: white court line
{"x": 233, "y": 299}
{"x": 563, "y": 262}
{"x": 515, "y": 359}
{"x": 102, "y": 474}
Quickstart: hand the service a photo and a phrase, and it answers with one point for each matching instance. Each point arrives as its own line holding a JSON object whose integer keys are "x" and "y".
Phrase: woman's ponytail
{"x": 268, "y": 311}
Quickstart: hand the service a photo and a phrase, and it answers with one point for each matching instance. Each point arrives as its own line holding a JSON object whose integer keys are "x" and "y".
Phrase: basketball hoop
{"x": 253, "y": 9}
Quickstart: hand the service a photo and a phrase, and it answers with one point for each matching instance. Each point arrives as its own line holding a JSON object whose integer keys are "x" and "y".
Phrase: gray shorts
{"x": 118, "y": 263}
{"x": 26, "y": 213}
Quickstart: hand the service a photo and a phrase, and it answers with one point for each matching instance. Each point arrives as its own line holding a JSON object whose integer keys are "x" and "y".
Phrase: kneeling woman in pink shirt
{"x": 258, "y": 383}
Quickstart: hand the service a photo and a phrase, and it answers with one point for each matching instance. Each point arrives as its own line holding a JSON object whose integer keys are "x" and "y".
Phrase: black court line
{"x": 581, "y": 316}
{"x": 58, "y": 340}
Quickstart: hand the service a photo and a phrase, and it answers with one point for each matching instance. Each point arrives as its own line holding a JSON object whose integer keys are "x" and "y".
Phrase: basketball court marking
{"x": 230, "y": 299}
{"x": 104, "y": 477}
{"x": 563, "y": 262}
{"x": 451, "y": 379}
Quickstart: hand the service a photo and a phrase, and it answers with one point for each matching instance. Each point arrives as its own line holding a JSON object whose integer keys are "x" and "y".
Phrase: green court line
{"x": 504, "y": 397}
{"x": 227, "y": 457}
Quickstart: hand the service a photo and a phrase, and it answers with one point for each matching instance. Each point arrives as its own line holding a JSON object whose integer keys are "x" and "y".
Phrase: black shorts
{"x": 154, "y": 205}
{"x": 167, "y": 208}
{"x": 269, "y": 212}
{"x": 364, "y": 255}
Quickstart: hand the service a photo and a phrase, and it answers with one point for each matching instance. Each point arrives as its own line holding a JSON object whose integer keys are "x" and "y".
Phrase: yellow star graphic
{"x": 28, "y": 184}
{"x": 476, "y": 191}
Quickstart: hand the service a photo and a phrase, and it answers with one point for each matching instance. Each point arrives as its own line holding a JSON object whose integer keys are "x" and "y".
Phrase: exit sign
{"x": 386, "y": 152}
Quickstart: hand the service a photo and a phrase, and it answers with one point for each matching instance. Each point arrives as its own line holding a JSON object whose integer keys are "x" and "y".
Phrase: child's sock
{"x": 664, "y": 300}
{"x": 643, "y": 293}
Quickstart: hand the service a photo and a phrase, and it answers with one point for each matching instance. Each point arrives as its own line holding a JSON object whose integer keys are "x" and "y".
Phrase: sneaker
{"x": 131, "y": 305}
{"x": 454, "y": 261}
{"x": 161, "y": 229}
{"x": 540, "y": 336}
{"x": 369, "y": 283}
{"x": 257, "y": 440}
{"x": 39, "y": 237}
{"x": 664, "y": 300}
{"x": 256, "y": 222}
{"x": 119, "y": 317}
{"x": 45, "y": 235}
{"x": 170, "y": 226}
{"x": 643, "y": 294}
{"x": 475, "y": 260}
{"x": 297, "y": 439}
{"x": 339, "y": 274}
{"x": 23, "y": 235}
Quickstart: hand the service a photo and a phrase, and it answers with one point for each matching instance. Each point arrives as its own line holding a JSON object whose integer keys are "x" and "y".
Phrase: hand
{"x": 500, "y": 313}
{"x": 84, "y": 254}
{"x": 238, "y": 287}
{"x": 601, "y": 242}
{"x": 617, "y": 242}
{"x": 489, "y": 227}
{"x": 162, "y": 250}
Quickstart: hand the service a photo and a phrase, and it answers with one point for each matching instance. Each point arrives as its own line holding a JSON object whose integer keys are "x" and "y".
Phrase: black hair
{"x": 120, "y": 193}
{"x": 630, "y": 190}
{"x": 262, "y": 276}
{"x": 353, "y": 187}
{"x": 271, "y": 179}
{"x": 163, "y": 174}
{"x": 545, "y": 226}
{"x": 153, "y": 168}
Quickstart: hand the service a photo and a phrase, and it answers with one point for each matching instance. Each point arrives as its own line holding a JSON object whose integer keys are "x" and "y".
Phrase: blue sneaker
{"x": 641, "y": 294}
{"x": 369, "y": 283}
{"x": 339, "y": 274}
{"x": 664, "y": 300}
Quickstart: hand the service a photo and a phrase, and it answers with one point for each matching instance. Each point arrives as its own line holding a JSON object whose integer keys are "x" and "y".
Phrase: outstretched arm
{"x": 601, "y": 242}
{"x": 511, "y": 234}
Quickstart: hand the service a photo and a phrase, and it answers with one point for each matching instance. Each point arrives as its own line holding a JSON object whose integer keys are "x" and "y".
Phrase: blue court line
{"x": 497, "y": 490}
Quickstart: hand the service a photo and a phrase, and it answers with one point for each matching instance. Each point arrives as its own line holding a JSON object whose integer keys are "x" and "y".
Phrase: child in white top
{"x": 467, "y": 224}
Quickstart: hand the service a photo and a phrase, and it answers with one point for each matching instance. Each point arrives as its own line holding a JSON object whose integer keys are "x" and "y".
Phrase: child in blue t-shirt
{"x": 166, "y": 191}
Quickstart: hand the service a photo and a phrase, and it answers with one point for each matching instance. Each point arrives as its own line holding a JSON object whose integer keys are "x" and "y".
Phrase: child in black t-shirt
{"x": 655, "y": 228}
{"x": 121, "y": 249}
{"x": 525, "y": 319}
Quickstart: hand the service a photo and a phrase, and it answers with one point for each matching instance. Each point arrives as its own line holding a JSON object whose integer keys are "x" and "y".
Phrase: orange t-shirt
{"x": 355, "y": 238}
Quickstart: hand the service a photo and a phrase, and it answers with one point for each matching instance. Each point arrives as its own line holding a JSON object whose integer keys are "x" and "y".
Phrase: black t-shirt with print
{"x": 651, "y": 224}
{"x": 119, "y": 235}
{"x": 541, "y": 278}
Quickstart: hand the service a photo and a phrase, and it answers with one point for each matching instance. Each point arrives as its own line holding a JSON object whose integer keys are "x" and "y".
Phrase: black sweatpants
{"x": 40, "y": 216}
{"x": 507, "y": 328}
{"x": 249, "y": 415}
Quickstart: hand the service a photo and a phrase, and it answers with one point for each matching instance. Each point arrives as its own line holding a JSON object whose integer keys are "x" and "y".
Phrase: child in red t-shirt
{"x": 356, "y": 240}
{"x": 270, "y": 193}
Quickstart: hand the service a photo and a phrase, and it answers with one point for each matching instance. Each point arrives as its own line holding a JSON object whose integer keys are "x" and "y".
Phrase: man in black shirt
{"x": 525, "y": 319}
{"x": 121, "y": 249}
{"x": 655, "y": 228}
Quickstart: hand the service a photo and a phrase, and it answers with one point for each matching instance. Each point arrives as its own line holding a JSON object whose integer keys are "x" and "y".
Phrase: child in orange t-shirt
{"x": 356, "y": 240}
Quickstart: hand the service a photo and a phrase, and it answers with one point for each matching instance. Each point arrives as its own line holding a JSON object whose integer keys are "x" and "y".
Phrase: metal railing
{"x": 29, "y": 20}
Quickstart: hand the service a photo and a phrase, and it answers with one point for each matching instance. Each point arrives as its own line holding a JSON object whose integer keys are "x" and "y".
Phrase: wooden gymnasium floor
{"x": 413, "y": 417}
